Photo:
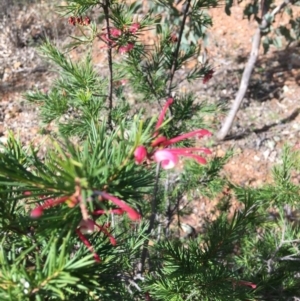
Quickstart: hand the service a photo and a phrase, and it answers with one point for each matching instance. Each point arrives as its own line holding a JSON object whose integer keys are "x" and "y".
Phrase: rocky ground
{"x": 270, "y": 112}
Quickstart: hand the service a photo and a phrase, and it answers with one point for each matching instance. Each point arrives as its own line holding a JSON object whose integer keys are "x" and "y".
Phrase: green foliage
{"x": 69, "y": 218}
{"x": 203, "y": 267}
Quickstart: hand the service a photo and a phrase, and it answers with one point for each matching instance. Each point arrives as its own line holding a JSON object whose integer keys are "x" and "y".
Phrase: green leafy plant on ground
{"x": 91, "y": 218}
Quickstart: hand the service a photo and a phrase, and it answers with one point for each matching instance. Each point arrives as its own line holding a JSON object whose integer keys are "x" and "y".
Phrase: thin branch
{"x": 248, "y": 70}
{"x": 151, "y": 223}
{"x": 110, "y": 68}
{"x": 290, "y": 258}
{"x": 176, "y": 53}
{"x": 270, "y": 261}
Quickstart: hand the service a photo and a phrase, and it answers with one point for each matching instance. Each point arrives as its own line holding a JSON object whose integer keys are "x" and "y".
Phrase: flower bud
{"x": 140, "y": 154}
{"x": 87, "y": 226}
{"x": 37, "y": 212}
{"x": 86, "y": 21}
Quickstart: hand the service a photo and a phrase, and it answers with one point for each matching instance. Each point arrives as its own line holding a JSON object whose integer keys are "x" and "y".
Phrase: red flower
{"x": 114, "y": 33}
{"x": 132, "y": 214}
{"x": 39, "y": 210}
{"x": 162, "y": 114}
{"x": 169, "y": 157}
{"x": 79, "y": 20}
{"x": 72, "y": 21}
{"x": 140, "y": 154}
{"x": 88, "y": 244}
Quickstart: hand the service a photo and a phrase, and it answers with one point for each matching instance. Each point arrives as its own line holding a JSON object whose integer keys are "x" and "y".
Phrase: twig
{"x": 176, "y": 53}
{"x": 109, "y": 54}
{"x": 289, "y": 258}
{"x": 270, "y": 261}
{"x": 152, "y": 221}
{"x": 248, "y": 70}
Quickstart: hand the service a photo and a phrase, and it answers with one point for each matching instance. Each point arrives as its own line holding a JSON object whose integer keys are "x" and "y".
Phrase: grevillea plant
{"x": 98, "y": 215}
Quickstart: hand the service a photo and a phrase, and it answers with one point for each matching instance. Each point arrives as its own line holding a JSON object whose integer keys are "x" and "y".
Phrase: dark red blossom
{"x": 79, "y": 20}
{"x": 208, "y": 76}
{"x": 173, "y": 38}
{"x": 72, "y": 21}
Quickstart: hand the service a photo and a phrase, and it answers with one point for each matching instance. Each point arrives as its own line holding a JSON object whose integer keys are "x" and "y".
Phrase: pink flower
{"x": 132, "y": 214}
{"x": 108, "y": 41}
{"x": 72, "y": 21}
{"x": 39, "y": 210}
{"x": 115, "y": 32}
{"x": 161, "y": 117}
{"x": 169, "y": 157}
{"x": 126, "y": 48}
{"x": 140, "y": 154}
{"x": 88, "y": 245}
{"x": 123, "y": 82}
{"x": 166, "y": 142}
{"x": 134, "y": 27}
{"x": 86, "y": 21}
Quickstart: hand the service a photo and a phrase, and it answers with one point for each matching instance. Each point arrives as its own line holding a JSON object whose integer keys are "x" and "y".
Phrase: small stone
{"x": 9, "y": 116}
{"x": 271, "y": 144}
{"x": 3, "y": 140}
{"x": 276, "y": 138}
{"x": 256, "y": 158}
{"x": 14, "y": 109}
{"x": 272, "y": 156}
{"x": 17, "y": 65}
{"x": 266, "y": 154}
{"x": 285, "y": 89}
{"x": 296, "y": 126}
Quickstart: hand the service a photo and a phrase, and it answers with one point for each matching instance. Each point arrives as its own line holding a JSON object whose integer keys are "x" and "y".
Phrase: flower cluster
{"x": 88, "y": 225}
{"x": 79, "y": 20}
{"x": 160, "y": 150}
{"x": 121, "y": 38}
